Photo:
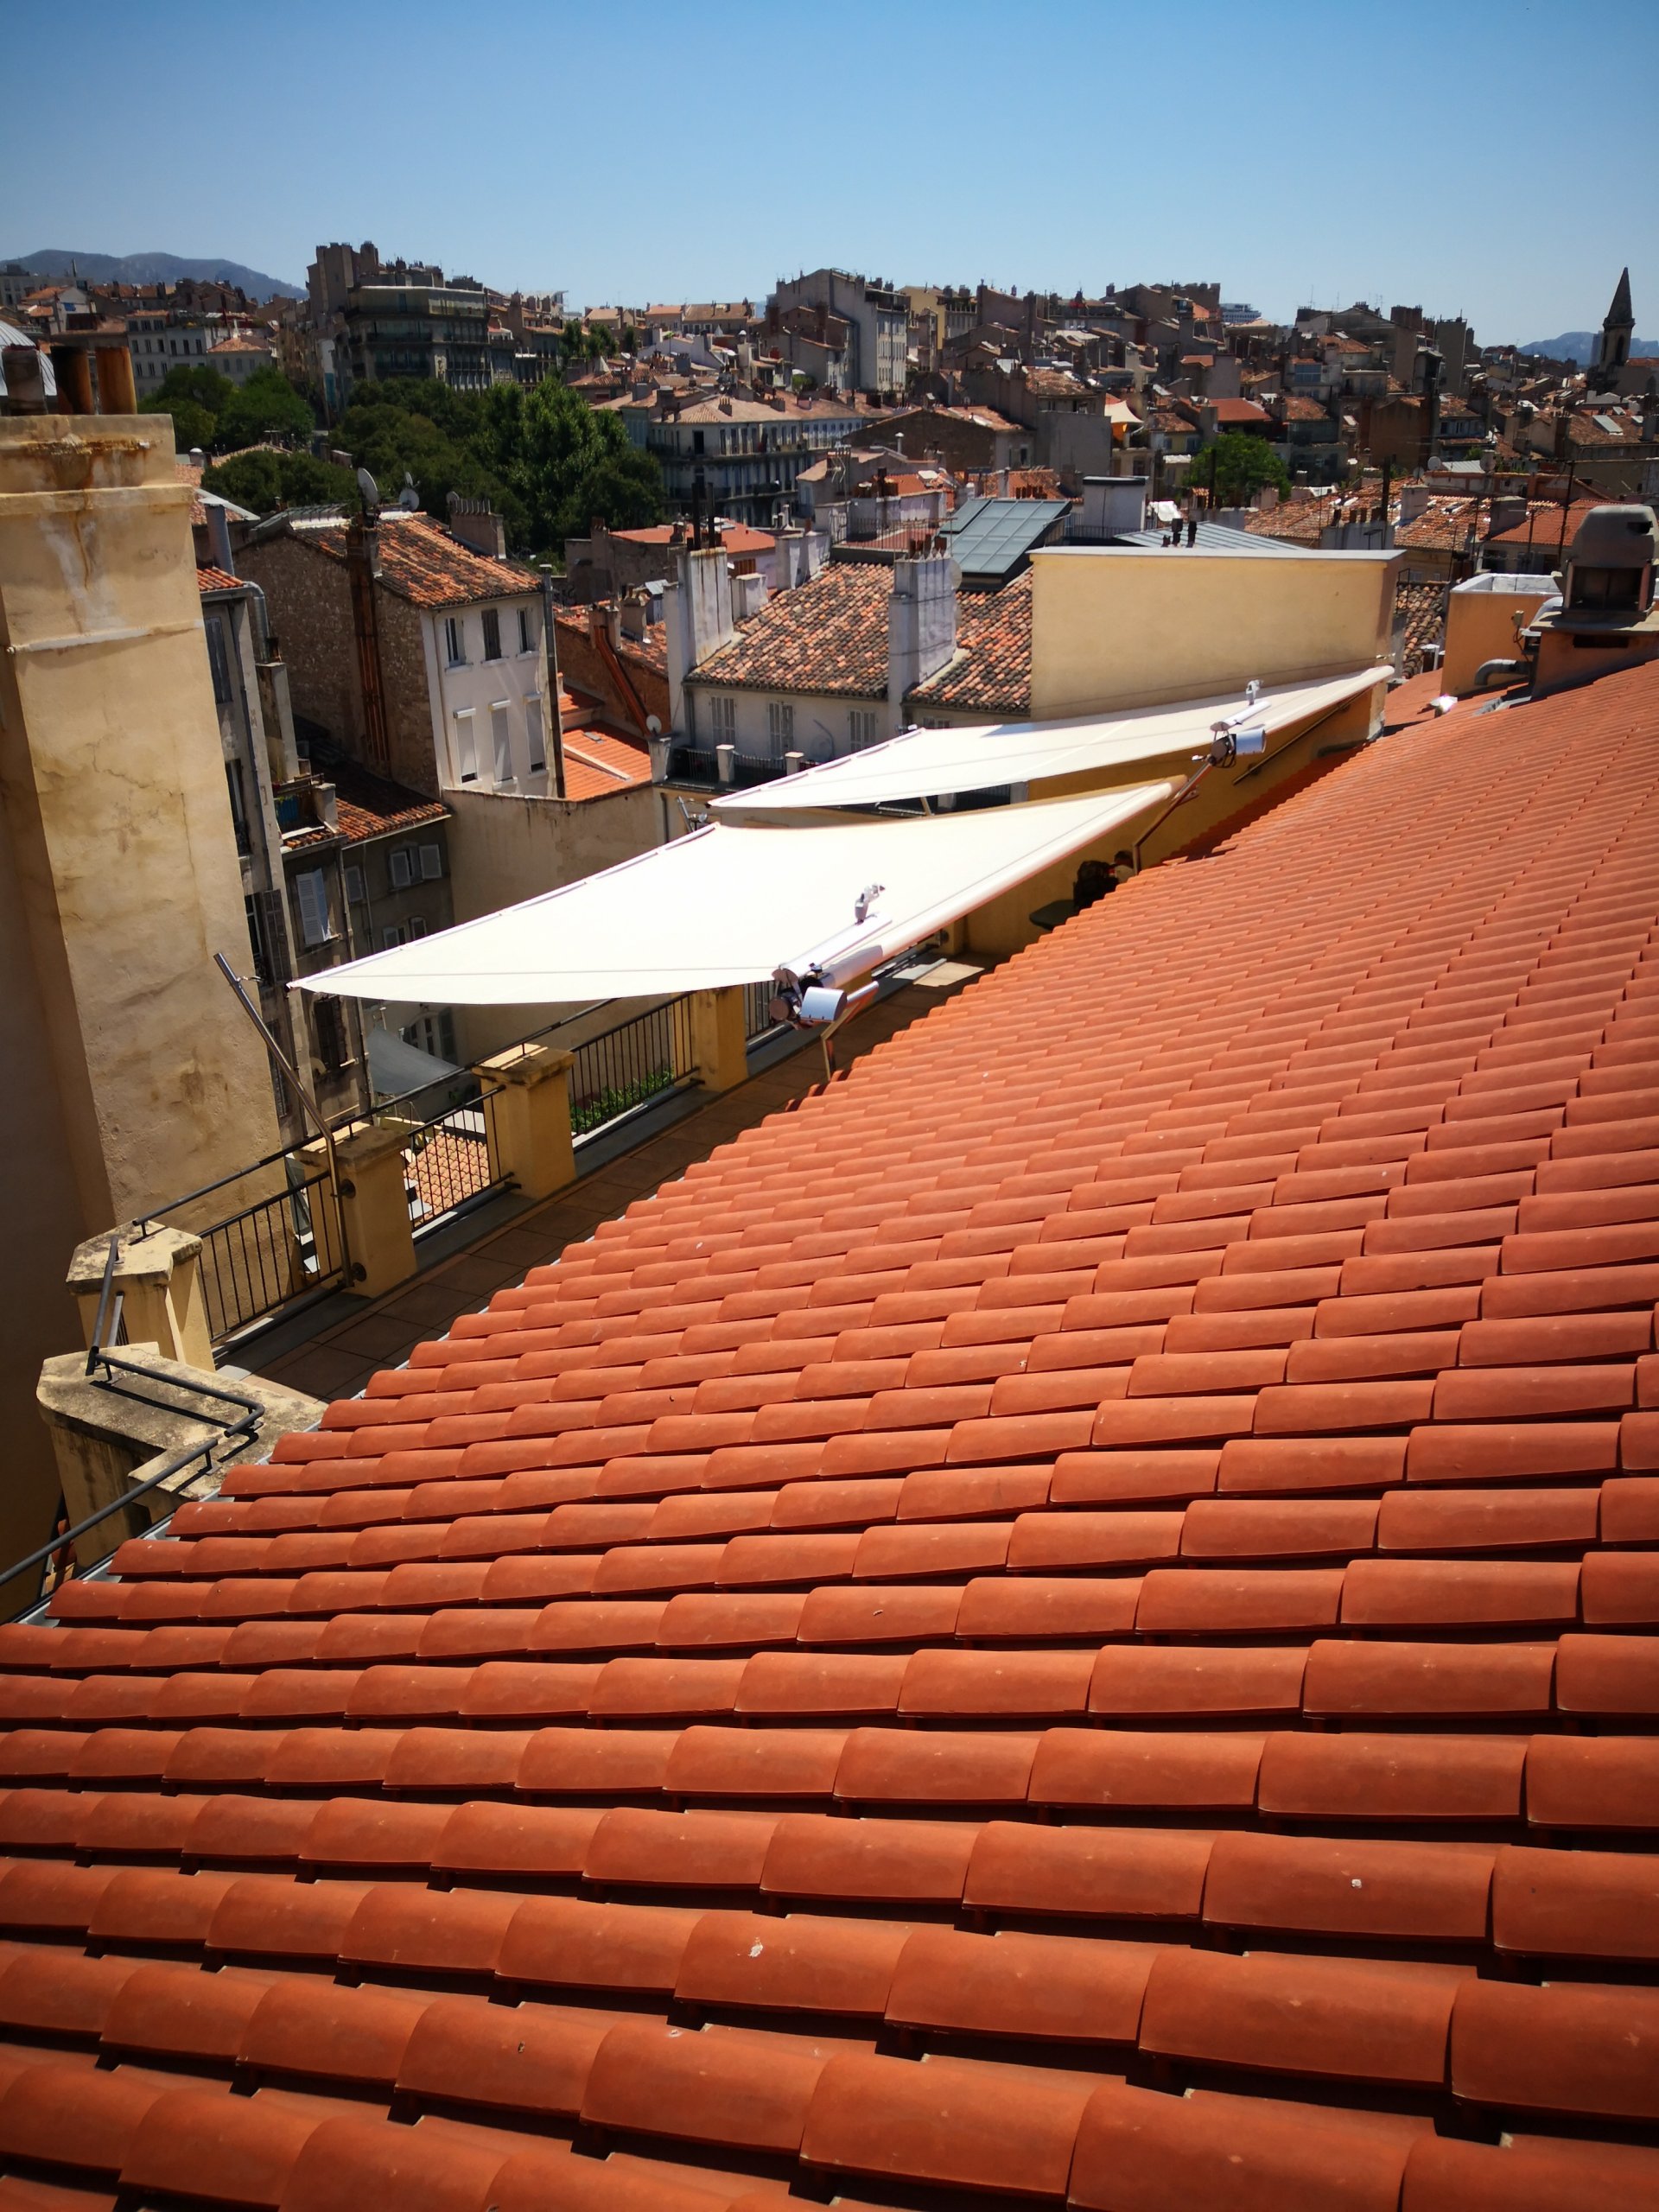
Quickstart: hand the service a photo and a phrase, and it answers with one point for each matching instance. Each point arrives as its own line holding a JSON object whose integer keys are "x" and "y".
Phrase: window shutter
{"x": 501, "y": 742}
{"x": 313, "y": 895}
{"x": 357, "y": 889}
{"x": 401, "y": 874}
{"x": 431, "y": 862}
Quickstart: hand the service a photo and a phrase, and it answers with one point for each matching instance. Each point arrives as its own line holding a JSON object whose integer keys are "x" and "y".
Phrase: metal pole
{"x": 555, "y": 721}
{"x": 304, "y": 1096}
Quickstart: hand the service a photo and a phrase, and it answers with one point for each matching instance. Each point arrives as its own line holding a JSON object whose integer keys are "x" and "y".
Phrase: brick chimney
{"x": 476, "y": 524}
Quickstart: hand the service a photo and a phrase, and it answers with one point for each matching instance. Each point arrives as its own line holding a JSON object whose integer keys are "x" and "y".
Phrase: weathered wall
{"x": 1113, "y": 627}
{"x": 131, "y": 1076}
{"x": 504, "y": 849}
{"x": 311, "y": 612}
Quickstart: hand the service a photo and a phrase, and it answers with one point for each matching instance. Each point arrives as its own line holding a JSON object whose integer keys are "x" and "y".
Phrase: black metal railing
{"x": 692, "y": 764}
{"x": 453, "y": 1158}
{"x": 699, "y": 764}
{"x": 622, "y": 1067}
{"x": 758, "y": 1019}
{"x": 283, "y": 1242}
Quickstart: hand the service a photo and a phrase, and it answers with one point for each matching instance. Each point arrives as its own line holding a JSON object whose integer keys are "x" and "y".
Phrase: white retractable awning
{"x": 734, "y": 904}
{"x": 932, "y": 763}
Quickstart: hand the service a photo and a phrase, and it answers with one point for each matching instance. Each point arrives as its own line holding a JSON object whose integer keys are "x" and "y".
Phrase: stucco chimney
{"x": 697, "y": 615}
{"x": 921, "y": 626}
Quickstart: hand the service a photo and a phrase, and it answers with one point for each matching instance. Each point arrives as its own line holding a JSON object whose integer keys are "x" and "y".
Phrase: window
{"x": 722, "y": 718}
{"x": 454, "y": 640}
{"x": 861, "y": 724}
{"x": 237, "y": 785}
{"x": 431, "y": 862}
{"x": 697, "y": 440}
{"x": 218, "y": 659}
{"x": 331, "y": 1033}
{"x": 357, "y": 889}
{"x": 311, "y": 890}
{"x": 526, "y": 631}
{"x": 780, "y": 725}
{"x": 392, "y": 935}
{"x": 500, "y": 742}
{"x": 466, "y": 748}
{"x": 417, "y": 927}
{"x": 533, "y": 732}
{"x": 256, "y": 940}
{"x": 491, "y": 635}
{"x": 402, "y": 873}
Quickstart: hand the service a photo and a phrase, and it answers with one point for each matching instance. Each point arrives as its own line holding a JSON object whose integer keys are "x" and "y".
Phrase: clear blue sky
{"x": 1463, "y": 156}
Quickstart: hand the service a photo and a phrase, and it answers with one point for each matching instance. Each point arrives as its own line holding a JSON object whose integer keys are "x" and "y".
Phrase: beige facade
{"x": 130, "y": 1075}
{"x": 1113, "y": 627}
{"x": 504, "y": 848}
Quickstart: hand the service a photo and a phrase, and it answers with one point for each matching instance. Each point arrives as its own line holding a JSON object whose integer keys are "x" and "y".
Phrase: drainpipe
{"x": 363, "y": 570}
{"x": 555, "y": 721}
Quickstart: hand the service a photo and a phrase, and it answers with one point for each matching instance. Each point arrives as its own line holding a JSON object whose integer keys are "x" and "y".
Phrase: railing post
{"x": 720, "y": 1037}
{"x": 531, "y": 1110}
{"x": 373, "y": 1206}
{"x": 158, "y": 1275}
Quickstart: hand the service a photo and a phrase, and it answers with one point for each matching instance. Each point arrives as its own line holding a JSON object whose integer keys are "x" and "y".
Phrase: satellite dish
{"x": 653, "y": 726}
{"x": 369, "y": 492}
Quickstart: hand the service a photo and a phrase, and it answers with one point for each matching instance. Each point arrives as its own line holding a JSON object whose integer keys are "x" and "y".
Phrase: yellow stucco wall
{"x": 133, "y": 1076}
{"x": 1482, "y": 625}
{"x": 1115, "y": 628}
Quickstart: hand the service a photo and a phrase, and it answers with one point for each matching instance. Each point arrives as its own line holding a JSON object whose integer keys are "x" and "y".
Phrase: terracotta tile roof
{"x": 209, "y": 580}
{"x": 1423, "y": 607}
{"x": 991, "y": 672}
{"x": 829, "y": 636}
{"x": 1548, "y": 526}
{"x": 1238, "y": 413}
{"x": 422, "y": 562}
{"x": 1446, "y": 525}
{"x": 1294, "y": 408}
{"x": 366, "y": 806}
{"x": 735, "y": 537}
{"x": 1115, "y": 1541}
{"x": 600, "y": 759}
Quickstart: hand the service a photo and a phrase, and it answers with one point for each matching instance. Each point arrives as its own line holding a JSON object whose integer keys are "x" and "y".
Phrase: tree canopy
{"x": 547, "y": 461}
{"x": 210, "y": 411}
{"x": 1241, "y": 466}
{"x": 264, "y": 480}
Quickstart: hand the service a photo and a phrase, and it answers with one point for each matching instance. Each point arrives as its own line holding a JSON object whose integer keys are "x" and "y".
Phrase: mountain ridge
{"x": 1579, "y": 345}
{"x": 55, "y": 261}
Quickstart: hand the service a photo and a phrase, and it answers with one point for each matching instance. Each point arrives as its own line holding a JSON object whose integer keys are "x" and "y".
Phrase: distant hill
{"x": 154, "y": 269}
{"x": 1579, "y": 345}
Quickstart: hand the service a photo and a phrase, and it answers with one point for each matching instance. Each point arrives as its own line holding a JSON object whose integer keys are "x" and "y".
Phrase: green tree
{"x": 628, "y": 338}
{"x": 569, "y": 462}
{"x": 572, "y": 340}
{"x": 267, "y": 406}
{"x": 548, "y": 460}
{"x": 1238, "y": 465}
{"x": 195, "y": 397}
{"x": 266, "y": 482}
{"x": 192, "y": 424}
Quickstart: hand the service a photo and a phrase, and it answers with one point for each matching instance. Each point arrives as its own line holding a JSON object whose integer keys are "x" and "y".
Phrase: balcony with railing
{"x": 278, "y": 1233}
{"x": 720, "y": 767}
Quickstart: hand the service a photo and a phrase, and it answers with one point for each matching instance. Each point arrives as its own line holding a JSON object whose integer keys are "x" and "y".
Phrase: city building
{"x": 735, "y": 456}
{"x": 420, "y": 654}
{"x": 876, "y": 318}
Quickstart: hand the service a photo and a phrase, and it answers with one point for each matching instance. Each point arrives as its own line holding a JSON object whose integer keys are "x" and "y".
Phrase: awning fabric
{"x": 931, "y": 763}
{"x": 733, "y": 904}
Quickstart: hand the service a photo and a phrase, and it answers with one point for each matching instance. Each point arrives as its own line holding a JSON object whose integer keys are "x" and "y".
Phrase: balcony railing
{"x": 272, "y": 1235}
{"x": 622, "y": 1068}
{"x": 698, "y": 764}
